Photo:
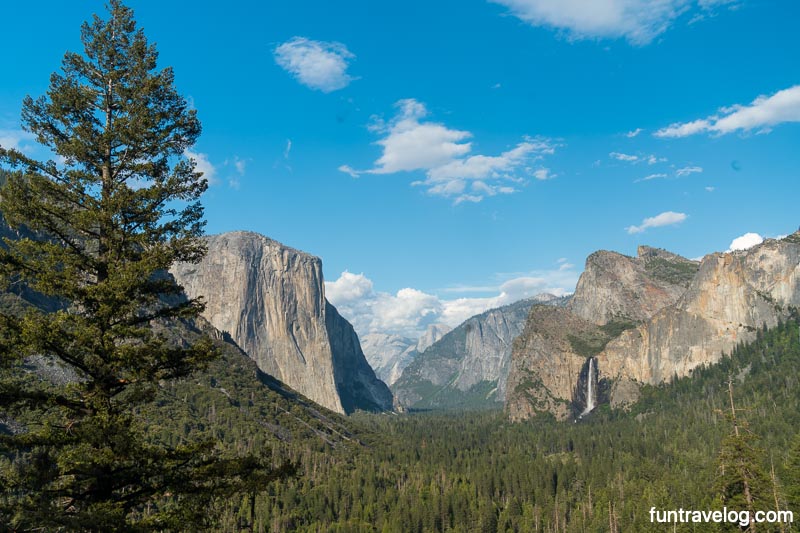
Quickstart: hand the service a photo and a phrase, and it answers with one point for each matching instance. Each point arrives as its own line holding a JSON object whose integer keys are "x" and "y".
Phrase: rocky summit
{"x": 646, "y": 319}
{"x": 617, "y": 287}
{"x": 270, "y": 299}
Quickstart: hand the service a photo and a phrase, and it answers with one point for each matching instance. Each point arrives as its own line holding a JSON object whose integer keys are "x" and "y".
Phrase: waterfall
{"x": 591, "y": 395}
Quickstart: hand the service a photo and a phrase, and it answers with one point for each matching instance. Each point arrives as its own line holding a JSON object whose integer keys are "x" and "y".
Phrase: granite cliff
{"x": 647, "y": 319}
{"x": 270, "y": 299}
{"x": 614, "y": 286}
{"x": 732, "y": 295}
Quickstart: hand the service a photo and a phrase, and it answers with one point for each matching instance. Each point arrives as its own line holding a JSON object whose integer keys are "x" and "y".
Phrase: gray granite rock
{"x": 270, "y": 299}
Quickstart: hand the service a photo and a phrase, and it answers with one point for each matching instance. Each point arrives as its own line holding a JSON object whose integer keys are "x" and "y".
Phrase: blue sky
{"x": 452, "y": 156}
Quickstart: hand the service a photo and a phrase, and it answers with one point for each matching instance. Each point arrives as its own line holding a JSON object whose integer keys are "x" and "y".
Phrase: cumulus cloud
{"x": 667, "y": 218}
{"x": 748, "y": 240}
{"x": 762, "y": 114}
{"x": 633, "y": 133}
{"x": 318, "y": 65}
{"x": 202, "y": 164}
{"x": 638, "y": 21}
{"x": 409, "y": 311}
{"x": 411, "y": 143}
{"x": 348, "y": 288}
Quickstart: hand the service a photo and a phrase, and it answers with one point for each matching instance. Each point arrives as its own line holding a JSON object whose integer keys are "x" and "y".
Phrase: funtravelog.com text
{"x": 729, "y": 516}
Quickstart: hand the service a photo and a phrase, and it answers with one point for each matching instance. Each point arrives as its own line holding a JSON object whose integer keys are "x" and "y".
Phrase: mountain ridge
{"x": 641, "y": 331}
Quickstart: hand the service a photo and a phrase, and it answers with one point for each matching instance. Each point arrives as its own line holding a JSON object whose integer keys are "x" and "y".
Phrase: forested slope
{"x": 478, "y": 472}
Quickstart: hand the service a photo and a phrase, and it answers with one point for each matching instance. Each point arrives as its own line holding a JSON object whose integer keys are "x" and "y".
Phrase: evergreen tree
{"x": 743, "y": 484}
{"x": 111, "y": 217}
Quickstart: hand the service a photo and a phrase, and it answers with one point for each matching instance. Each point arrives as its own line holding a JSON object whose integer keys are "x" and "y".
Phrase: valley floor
{"x": 475, "y": 471}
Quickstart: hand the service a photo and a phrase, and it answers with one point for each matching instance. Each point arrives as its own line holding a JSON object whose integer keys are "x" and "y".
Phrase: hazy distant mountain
{"x": 468, "y": 366}
{"x": 390, "y": 354}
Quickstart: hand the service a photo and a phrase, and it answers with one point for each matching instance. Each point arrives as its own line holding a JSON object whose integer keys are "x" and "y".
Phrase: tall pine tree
{"x": 743, "y": 484}
{"x": 95, "y": 234}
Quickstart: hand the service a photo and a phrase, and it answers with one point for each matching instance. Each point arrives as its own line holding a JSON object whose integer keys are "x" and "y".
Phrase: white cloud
{"x": 685, "y": 129}
{"x": 413, "y": 145}
{"x": 348, "y": 288}
{"x": 629, "y": 158}
{"x": 633, "y": 133}
{"x": 748, "y": 240}
{"x": 623, "y": 157}
{"x": 651, "y": 177}
{"x": 685, "y": 171}
{"x": 761, "y": 114}
{"x": 638, "y": 21}
{"x": 410, "y": 143}
{"x": 241, "y": 166}
{"x": 409, "y": 311}
{"x": 202, "y": 164}
{"x": 347, "y": 169}
{"x": 316, "y": 64}
{"x": 712, "y": 3}
{"x": 666, "y": 218}
{"x": 288, "y": 149}
{"x": 710, "y": 189}
{"x": 16, "y": 140}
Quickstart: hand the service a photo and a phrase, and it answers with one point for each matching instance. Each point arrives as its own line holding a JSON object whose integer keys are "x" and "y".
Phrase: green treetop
{"x": 111, "y": 216}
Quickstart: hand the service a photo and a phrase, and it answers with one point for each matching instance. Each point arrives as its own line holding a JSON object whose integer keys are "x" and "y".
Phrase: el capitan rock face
{"x": 648, "y": 319}
{"x": 270, "y": 299}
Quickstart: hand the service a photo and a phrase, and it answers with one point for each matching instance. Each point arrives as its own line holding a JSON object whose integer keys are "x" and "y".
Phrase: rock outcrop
{"x": 270, "y": 299}
{"x": 732, "y": 295}
{"x": 617, "y": 287}
{"x": 648, "y": 319}
{"x": 545, "y": 363}
{"x": 469, "y": 366}
{"x": 390, "y": 354}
